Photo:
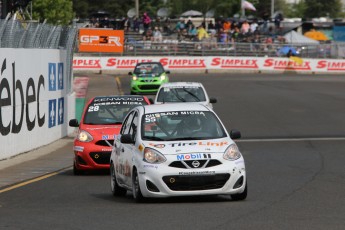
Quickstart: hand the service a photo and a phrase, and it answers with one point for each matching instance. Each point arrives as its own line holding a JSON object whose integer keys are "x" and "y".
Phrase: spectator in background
{"x": 157, "y": 35}
{"x": 222, "y": 36}
{"x": 167, "y": 26}
{"x": 211, "y": 27}
{"x": 245, "y": 27}
{"x": 254, "y": 26}
{"x": 180, "y": 28}
{"x": 158, "y": 23}
{"x": 136, "y": 24}
{"x": 226, "y": 26}
{"x": 277, "y": 19}
{"x": 148, "y": 34}
{"x": 189, "y": 22}
{"x": 126, "y": 24}
{"x": 146, "y": 21}
{"x": 218, "y": 25}
{"x": 192, "y": 32}
{"x": 202, "y": 33}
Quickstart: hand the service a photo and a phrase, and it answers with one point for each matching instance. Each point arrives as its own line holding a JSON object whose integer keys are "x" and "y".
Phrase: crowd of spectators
{"x": 213, "y": 33}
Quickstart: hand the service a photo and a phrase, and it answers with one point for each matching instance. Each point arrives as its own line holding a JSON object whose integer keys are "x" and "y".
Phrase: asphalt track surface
{"x": 293, "y": 130}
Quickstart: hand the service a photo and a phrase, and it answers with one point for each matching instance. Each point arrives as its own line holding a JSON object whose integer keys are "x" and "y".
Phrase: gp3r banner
{"x": 101, "y": 40}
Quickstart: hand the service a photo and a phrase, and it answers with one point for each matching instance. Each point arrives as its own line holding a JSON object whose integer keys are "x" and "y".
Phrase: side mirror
{"x": 151, "y": 101}
{"x": 130, "y": 73}
{"x": 73, "y": 123}
{"x": 235, "y": 134}
{"x": 213, "y": 100}
{"x": 127, "y": 139}
{"x": 167, "y": 72}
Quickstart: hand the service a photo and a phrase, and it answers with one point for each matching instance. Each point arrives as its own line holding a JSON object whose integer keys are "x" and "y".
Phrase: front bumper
{"x": 88, "y": 156}
{"x": 141, "y": 86}
{"x": 164, "y": 181}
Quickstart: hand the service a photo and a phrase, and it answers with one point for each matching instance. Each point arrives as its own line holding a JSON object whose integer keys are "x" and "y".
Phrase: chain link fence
{"x": 34, "y": 35}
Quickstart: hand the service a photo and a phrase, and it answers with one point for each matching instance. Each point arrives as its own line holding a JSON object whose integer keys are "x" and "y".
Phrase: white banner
{"x": 258, "y": 64}
{"x": 33, "y": 99}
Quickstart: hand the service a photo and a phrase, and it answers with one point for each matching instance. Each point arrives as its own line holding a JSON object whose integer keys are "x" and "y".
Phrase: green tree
{"x": 322, "y": 8}
{"x": 297, "y": 10}
{"x": 54, "y": 11}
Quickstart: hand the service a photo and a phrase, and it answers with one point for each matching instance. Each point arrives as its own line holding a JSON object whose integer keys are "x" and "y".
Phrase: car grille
{"x": 101, "y": 157}
{"x": 104, "y": 143}
{"x": 148, "y": 86}
{"x": 190, "y": 164}
{"x": 198, "y": 182}
{"x": 148, "y": 80}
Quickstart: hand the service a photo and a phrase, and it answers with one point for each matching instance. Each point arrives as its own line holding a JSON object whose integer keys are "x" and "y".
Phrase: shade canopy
{"x": 191, "y": 13}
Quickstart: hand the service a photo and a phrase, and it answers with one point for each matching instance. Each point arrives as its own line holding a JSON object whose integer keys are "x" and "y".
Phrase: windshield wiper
{"x": 192, "y": 94}
{"x": 178, "y": 95}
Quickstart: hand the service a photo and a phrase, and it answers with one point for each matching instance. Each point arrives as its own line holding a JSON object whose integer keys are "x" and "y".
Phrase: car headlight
{"x": 232, "y": 153}
{"x": 163, "y": 77}
{"x": 84, "y": 136}
{"x": 153, "y": 156}
{"x": 134, "y": 78}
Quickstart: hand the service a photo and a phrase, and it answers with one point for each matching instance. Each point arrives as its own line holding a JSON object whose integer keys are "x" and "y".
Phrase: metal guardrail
{"x": 34, "y": 35}
{"x": 236, "y": 49}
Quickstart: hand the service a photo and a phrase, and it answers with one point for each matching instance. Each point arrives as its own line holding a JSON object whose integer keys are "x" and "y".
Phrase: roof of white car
{"x": 180, "y": 84}
{"x": 175, "y": 107}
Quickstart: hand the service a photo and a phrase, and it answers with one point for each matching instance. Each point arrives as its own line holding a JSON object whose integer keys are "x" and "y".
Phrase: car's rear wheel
{"x": 240, "y": 196}
{"x": 133, "y": 93}
{"x": 115, "y": 188}
{"x": 76, "y": 171}
{"x": 137, "y": 195}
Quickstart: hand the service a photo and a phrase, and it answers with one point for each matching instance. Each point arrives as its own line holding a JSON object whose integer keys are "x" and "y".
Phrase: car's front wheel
{"x": 115, "y": 188}
{"x": 137, "y": 195}
{"x": 240, "y": 196}
{"x": 76, "y": 171}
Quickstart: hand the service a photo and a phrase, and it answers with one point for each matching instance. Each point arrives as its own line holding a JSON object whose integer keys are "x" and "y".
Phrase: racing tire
{"x": 137, "y": 195}
{"x": 116, "y": 190}
{"x": 133, "y": 93}
{"x": 240, "y": 196}
{"x": 77, "y": 171}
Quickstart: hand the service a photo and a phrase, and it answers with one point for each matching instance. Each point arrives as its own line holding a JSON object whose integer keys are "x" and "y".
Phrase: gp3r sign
{"x": 101, "y": 40}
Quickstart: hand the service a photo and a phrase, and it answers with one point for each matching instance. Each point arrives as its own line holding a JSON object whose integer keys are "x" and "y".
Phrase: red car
{"x": 100, "y": 123}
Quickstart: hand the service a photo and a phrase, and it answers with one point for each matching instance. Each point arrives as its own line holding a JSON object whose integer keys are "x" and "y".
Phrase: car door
{"x": 129, "y": 150}
{"x": 122, "y": 150}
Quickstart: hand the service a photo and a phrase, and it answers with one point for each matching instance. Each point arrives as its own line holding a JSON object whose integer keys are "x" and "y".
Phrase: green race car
{"x": 148, "y": 77}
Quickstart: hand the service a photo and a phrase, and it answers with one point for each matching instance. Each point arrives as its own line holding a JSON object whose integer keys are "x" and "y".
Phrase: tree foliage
{"x": 54, "y": 11}
{"x": 322, "y": 8}
{"x": 63, "y": 11}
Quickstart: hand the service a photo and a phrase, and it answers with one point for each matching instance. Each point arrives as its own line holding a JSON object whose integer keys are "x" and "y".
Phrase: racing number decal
{"x": 93, "y": 108}
{"x": 150, "y": 119}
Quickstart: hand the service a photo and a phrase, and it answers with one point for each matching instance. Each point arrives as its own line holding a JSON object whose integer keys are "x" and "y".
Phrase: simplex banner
{"x": 258, "y": 64}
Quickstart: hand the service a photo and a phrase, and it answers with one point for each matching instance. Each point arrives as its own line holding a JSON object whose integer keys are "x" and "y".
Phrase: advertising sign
{"x": 101, "y": 40}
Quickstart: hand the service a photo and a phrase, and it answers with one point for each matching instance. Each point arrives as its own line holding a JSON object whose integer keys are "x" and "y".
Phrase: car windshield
{"x": 149, "y": 69}
{"x": 181, "y": 94}
{"x": 104, "y": 114}
{"x": 181, "y": 125}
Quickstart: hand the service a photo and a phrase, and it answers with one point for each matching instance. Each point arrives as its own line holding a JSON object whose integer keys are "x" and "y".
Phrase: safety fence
{"x": 236, "y": 49}
{"x": 15, "y": 33}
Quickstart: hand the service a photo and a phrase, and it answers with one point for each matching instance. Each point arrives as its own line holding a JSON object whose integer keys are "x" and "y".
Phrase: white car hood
{"x": 193, "y": 146}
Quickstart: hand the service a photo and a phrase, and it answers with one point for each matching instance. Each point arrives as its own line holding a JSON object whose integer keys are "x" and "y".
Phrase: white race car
{"x": 183, "y": 92}
{"x": 176, "y": 150}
